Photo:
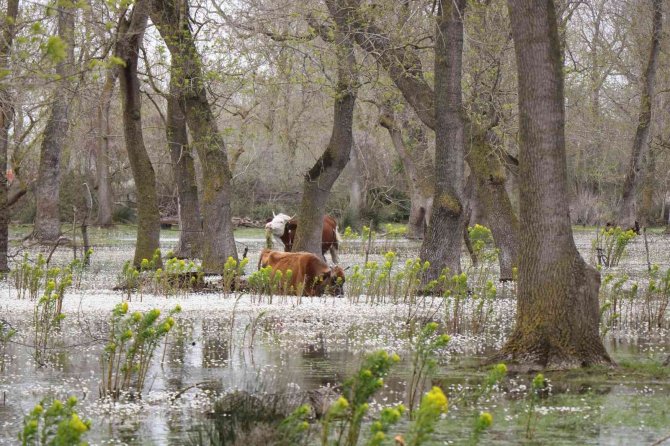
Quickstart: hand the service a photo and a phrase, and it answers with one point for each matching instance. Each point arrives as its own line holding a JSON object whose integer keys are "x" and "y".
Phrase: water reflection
{"x": 199, "y": 366}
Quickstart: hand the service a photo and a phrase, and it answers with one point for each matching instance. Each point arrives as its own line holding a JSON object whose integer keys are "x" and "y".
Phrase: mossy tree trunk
{"x": 632, "y": 198}
{"x": 321, "y": 177}
{"x": 557, "y": 322}
{"x": 443, "y": 242}
{"x": 102, "y": 151}
{"x": 494, "y": 203}
{"x": 171, "y": 18}
{"x": 47, "y": 192}
{"x": 6, "y": 116}
{"x": 130, "y": 35}
{"x": 190, "y": 224}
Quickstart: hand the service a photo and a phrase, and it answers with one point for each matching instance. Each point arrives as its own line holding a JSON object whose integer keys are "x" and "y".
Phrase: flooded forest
{"x": 334, "y": 222}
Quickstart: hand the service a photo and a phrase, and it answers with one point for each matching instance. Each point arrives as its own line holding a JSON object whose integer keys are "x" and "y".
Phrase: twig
{"x": 367, "y": 250}
{"x": 186, "y": 389}
{"x": 646, "y": 247}
{"x": 667, "y": 437}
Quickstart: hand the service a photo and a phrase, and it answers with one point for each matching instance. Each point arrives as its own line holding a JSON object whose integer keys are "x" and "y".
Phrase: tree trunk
{"x": 171, "y": 18}
{"x": 131, "y": 33}
{"x": 557, "y": 322}
{"x": 494, "y": 202}
{"x": 102, "y": 153}
{"x": 6, "y": 116}
{"x": 47, "y": 217}
{"x": 356, "y": 194}
{"x": 321, "y": 177}
{"x": 190, "y": 225}
{"x": 420, "y": 187}
{"x": 442, "y": 245}
{"x": 630, "y": 209}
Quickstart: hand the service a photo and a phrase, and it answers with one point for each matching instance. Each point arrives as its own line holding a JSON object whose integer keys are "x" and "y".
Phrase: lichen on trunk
{"x": 190, "y": 224}
{"x": 131, "y": 32}
{"x": 171, "y": 18}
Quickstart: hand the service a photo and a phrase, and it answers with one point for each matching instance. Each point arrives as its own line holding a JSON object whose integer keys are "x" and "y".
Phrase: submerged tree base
{"x": 524, "y": 355}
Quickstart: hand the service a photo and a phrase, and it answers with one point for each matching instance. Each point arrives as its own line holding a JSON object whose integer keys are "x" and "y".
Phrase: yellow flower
{"x": 77, "y": 425}
{"x": 436, "y": 399}
{"x": 485, "y": 419}
{"x": 501, "y": 368}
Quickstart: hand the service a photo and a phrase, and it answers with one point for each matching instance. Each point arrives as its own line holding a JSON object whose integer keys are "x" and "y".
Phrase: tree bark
{"x": 443, "y": 242}
{"x": 104, "y": 191}
{"x": 631, "y": 202}
{"x": 131, "y": 33}
{"x": 356, "y": 194}
{"x": 171, "y": 18}
{"x": 321, "y": 177}
{"x": 47, "y": 217}
{"x": 420, "y": 187}
{"x": 6, "y": 117}
{"x": 495, "y": 206}
{"x": 190, "y": 224}
{"x": 557, "y": 322}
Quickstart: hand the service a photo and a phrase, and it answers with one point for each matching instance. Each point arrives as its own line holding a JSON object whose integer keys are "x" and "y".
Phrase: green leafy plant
{"x": 433, "y": 405}
{"x": 379, "y": 428}
{"x": 232, "y": 272}
{"x": 47, "y": 313}
{"x": 424, "y": 361}
{"x": 536, "y": 388}
{"x": 7, "y": 332}
{"x": 78, "y": 266}
{"x": 484, "y": 421}
{"x": 294, "y": 429}
{"x": 28, "y": 276}
{"x": 657, "y": 297}
{"x": 133, "y": 340}
{"x": 610, "y": 245}
{"x": 352, "y": 406}
{"x": 52, "y": 422}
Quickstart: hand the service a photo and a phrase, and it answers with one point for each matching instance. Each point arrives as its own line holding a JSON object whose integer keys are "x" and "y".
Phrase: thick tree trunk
{"x": 131, "y": 33}
{"x": 6, "y": 116}
{"x": 420, "y": 187}
{"x": 47, "y": 217}
{"x": 171, "y": 18}
{"x": 443, "y": 242}
{"x": 404, "y": 68}
{"x": 631, "y": 205}
{"x": 321, "y": 177}
{"x": 494, "y": 202}
{"x": 104, "y": 192}
{"x": 190, "y": 224}
{"x": 557, "y": 322}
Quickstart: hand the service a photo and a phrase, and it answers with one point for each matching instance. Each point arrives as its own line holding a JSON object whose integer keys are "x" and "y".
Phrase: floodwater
{"x": 226, "y": 343}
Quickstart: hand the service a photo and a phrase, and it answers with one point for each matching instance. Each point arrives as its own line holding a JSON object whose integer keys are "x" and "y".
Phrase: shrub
{"x": 610, "y": 245}
{"x": 133, "y": 339}
{"x": 48, "y": 309}
{"x": 53, "y": 423}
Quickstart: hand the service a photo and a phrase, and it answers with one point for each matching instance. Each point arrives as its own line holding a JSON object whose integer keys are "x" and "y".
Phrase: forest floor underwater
{"x": 284, "y": 348}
